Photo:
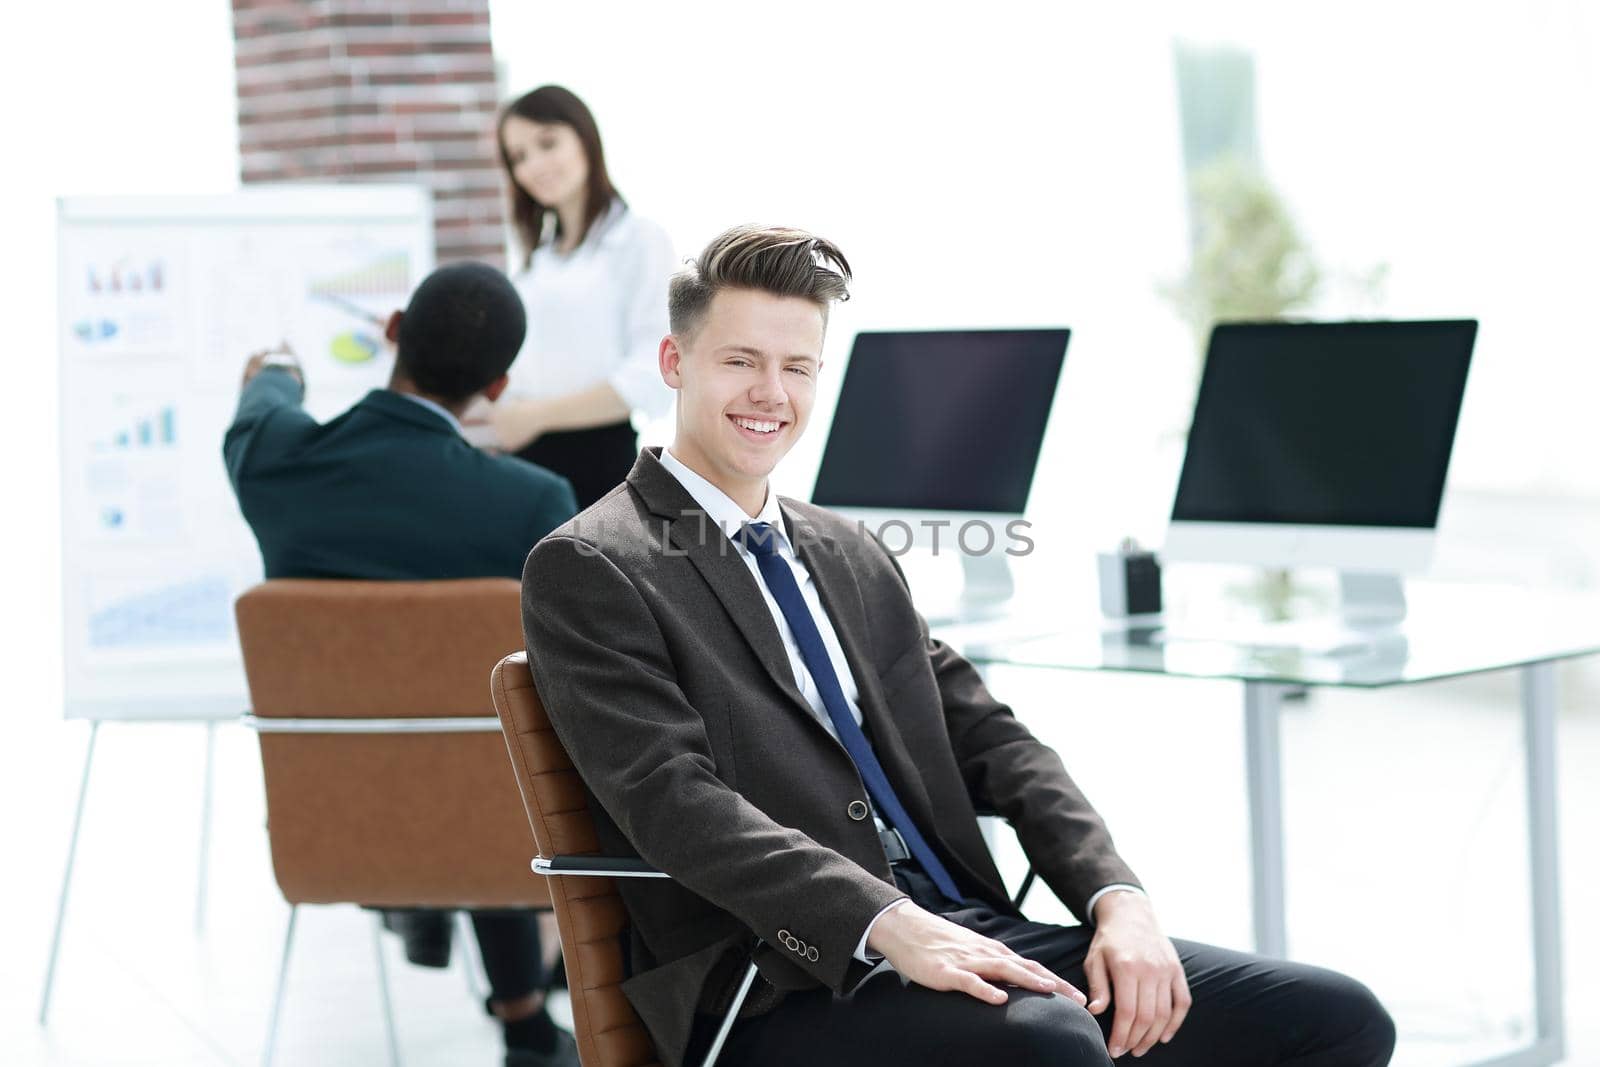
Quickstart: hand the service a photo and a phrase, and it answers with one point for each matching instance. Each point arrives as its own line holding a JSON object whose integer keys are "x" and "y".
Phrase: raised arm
{"x": 273, "y": 386}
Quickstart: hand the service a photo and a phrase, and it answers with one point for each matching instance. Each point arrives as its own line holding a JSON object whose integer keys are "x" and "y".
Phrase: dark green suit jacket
{"x": 388, "y": 490}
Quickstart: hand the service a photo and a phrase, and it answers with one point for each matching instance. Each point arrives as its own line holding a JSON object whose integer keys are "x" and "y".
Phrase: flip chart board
{"x": 161, "y": 300}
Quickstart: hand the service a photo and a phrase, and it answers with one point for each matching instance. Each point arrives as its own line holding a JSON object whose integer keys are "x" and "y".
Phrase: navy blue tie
{"x": 763, "y": 543}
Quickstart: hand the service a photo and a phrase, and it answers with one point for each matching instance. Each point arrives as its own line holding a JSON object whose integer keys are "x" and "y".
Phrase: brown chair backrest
{"x": 589, "y": 913}
{"x": 398, "y": 819}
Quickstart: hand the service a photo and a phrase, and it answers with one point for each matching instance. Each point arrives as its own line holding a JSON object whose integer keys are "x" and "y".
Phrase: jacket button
{"x": 857, "y": 810}
{"x": 811, "y": 953}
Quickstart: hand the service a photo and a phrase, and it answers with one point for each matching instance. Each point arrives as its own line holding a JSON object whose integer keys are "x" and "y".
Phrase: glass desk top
{"x": 1449, "y": 630}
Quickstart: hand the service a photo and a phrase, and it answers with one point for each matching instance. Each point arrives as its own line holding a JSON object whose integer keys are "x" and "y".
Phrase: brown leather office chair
{"x": 589, "y": 912}
{"x": 385, "y": 771}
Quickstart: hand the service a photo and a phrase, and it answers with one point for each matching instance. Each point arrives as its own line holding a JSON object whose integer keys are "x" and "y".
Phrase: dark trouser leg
{"x": 887, "y": 1021}
{"x": 426, "y": 934}
{"x": 508, "y": 940}
{"x": 1249, "y": 1009}
{"x": 1248, "y": 1012}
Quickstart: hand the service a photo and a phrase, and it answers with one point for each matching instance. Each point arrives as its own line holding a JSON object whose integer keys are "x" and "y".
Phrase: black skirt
{"x": 595, "y": 460}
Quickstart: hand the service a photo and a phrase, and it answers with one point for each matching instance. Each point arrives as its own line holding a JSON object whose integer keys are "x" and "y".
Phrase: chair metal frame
{"x": 624, "y": 867}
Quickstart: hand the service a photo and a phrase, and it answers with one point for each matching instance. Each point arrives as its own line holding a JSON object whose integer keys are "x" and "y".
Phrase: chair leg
{"x": 383, "y": 991}
{"x": 277, "y": 996}
{"x": 471, "y": 960}
{"x": 733, "y": 1013}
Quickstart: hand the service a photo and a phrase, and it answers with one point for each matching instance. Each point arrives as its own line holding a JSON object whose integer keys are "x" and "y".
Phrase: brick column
{"x": 394, "y": 90}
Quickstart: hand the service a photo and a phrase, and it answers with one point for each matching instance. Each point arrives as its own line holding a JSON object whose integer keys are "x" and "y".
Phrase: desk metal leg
{"x": 205, "y": 829}
{"x": 66, "y": 878}
{"x": 1263, "y": 706}
{"x": 1539, "y": 746}
{"x": 1539, "y": 707}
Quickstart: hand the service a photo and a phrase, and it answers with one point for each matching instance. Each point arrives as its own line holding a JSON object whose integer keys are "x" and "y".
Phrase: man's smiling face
{"x": 746, "y": 380}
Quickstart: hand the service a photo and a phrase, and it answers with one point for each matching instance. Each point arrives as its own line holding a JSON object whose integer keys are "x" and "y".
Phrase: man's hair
{"x": 769, "y": 259}
{"x": 461, "y": 331}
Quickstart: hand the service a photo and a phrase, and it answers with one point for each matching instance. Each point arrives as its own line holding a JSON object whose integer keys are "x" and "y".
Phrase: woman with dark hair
{"x": 593, "y": 278}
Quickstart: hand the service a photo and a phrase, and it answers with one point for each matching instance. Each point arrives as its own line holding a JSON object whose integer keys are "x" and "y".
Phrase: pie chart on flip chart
{"x": 384, "y": 276}
{"x": 353, "y": 347}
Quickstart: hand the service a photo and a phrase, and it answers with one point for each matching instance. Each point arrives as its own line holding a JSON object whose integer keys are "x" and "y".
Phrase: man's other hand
{"x": 934, "y": 952}
{"x": 282, "y": 356}
{"x": 1133, "y": 965}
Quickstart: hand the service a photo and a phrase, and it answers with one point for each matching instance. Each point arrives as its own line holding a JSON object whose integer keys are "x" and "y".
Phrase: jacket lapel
{"x": 693, "y": 534}
{"x": 841, "y": 599}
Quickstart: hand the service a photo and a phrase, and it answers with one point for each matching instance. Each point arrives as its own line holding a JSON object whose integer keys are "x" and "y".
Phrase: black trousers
{"x": 508, "y": 941}
{"x": 595, "y": 460}
{"x": 1247, "y": 1011}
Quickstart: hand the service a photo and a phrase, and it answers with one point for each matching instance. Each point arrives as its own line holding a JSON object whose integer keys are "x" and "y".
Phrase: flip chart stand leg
{"x": 66, "y": 878}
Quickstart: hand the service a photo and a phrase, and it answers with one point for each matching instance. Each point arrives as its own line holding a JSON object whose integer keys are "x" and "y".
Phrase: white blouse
{"x": 598, "y": 314}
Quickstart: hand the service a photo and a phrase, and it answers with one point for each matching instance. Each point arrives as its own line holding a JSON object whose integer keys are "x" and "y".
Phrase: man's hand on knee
{"x": 934, "y": 952}
{"x": 1133, "y": 965}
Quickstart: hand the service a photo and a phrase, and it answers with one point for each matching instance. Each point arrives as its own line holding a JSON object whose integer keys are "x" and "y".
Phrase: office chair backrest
{"x": 588, "y": 911}
{"x": 387, "y": 816}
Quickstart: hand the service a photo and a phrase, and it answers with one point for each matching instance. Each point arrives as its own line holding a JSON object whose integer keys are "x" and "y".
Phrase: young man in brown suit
{"x": 758, "y": 710}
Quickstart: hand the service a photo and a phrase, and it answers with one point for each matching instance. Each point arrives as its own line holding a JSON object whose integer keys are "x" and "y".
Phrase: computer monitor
{"x": 940, "y": 431}
{"x": 1322, "y": 444}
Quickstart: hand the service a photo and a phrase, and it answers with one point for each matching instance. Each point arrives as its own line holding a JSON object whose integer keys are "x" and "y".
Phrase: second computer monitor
{"x": 941, "y": 421}
{"x": 1321, "y": 444}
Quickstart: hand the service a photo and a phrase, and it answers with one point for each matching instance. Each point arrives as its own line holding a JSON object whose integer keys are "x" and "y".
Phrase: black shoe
{"x": 565, "y": 1054}
{"x": 425, "y": 933}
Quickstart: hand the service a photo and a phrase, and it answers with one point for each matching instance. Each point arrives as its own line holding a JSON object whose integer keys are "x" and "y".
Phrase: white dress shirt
{"x": 598, "y": 314}
{"x": 729, "y": 517}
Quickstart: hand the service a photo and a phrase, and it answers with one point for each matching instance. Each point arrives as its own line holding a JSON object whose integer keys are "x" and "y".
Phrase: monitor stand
{"x": 1371, "y": 609}
{"x": 1369, "y": 601}
{"x": 987, "y": 579}
{"x": 987, "y": 592}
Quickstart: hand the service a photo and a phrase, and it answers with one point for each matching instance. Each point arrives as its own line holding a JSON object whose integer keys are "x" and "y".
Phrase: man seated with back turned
{"x": 391, "y": 490}
{"x": 764, "y": 717}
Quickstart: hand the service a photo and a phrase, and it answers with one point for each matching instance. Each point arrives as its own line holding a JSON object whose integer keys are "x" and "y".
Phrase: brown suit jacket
{"x": 667, "y": 681}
